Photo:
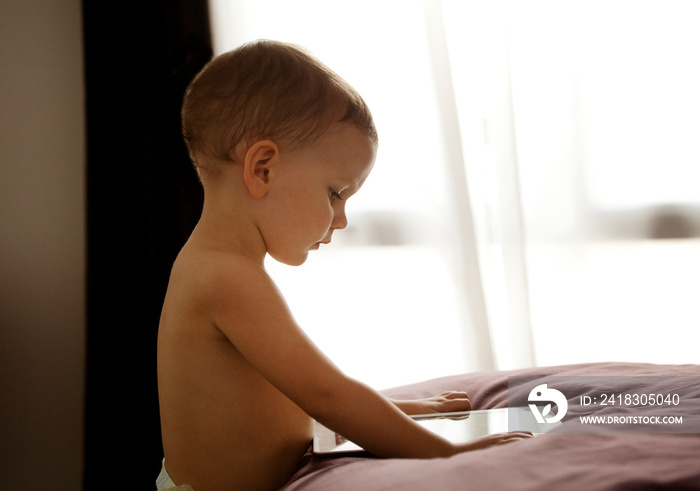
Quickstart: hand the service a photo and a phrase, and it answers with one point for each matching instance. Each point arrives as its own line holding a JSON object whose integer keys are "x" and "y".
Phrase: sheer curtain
{"x": 479, "y": 54}
{"x": 607, "y": 113}
{"x": 599, "y": 159}
{"x": 494, "y": 218}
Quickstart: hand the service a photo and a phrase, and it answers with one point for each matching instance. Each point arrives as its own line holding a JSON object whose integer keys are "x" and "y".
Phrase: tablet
{"x": 457, "y": 427}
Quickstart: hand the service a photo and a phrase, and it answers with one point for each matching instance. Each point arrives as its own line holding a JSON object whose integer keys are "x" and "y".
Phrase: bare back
{"x": 224, "y": 425}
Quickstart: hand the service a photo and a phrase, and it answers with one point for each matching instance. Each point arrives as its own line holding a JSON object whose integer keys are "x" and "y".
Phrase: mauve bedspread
{"x": 558, "y": 460}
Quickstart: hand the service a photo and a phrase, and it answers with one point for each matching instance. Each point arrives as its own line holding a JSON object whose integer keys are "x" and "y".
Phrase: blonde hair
{"x": 266, "y": 90}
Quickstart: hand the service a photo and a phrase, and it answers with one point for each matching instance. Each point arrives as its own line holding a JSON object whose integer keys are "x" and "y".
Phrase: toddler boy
{"x": 280, "y": 143}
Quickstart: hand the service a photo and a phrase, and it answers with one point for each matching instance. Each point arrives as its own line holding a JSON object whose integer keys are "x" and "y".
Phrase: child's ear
{"x": 258, "y": 167}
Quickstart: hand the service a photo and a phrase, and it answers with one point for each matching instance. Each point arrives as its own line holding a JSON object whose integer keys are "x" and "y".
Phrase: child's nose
{"x": 340, "y": 220}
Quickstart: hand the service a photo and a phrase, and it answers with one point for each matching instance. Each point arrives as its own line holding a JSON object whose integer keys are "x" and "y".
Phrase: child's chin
{"x": 295, "y": 260}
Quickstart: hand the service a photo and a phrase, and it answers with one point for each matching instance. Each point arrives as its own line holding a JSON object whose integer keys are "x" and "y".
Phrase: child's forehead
{"x": 343, "y": 153}
{"x": 345, "y": 139}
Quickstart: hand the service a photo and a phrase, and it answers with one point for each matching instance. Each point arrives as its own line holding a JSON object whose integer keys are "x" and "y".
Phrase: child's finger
{"x": 496, "y": 439}
{"x": 455, "y": 395}
{"x": 512, "y": 437}
{"x": 455, "y": 401}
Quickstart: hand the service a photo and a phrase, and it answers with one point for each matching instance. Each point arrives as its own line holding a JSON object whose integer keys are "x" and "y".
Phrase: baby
{"x": 280, "y": 143}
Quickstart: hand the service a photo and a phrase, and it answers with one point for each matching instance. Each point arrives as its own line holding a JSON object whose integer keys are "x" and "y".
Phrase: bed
{"x": 596, "y": 457}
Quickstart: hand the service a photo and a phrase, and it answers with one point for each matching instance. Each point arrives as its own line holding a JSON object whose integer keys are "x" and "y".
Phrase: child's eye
{"x": 334, "y": 194}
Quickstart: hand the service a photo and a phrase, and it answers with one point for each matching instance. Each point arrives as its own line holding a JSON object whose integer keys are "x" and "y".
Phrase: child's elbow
{"x": 334, "y": 401}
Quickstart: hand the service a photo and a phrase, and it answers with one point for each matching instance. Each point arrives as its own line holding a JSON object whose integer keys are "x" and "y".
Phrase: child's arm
{"x": 247, "y": 307}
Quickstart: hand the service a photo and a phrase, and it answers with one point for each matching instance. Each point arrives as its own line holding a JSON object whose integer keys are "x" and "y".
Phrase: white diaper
{"x": 165, "y": 483}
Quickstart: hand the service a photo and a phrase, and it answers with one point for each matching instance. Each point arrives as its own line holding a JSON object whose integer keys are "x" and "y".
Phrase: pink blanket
{"x": 563, "y": 460}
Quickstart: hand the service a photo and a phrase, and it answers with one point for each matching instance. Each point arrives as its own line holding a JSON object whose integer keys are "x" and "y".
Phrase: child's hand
{"x": 446, "y": 402}
{"x": 492, "y": 440}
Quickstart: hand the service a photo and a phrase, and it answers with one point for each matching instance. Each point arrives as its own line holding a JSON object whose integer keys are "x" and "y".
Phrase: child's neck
{"x": 229, "y": 229}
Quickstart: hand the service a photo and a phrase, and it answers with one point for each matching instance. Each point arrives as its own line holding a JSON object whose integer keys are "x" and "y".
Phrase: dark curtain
{"x": 143, "y": 201}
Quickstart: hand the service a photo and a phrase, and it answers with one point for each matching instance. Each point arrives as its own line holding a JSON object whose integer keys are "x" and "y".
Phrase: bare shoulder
{"x": 216, "y": 280}
{"x": 203, "y": 266}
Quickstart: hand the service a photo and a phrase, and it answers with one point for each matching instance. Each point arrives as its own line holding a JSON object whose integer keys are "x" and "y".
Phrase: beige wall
{"x": 42, "y": 244}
